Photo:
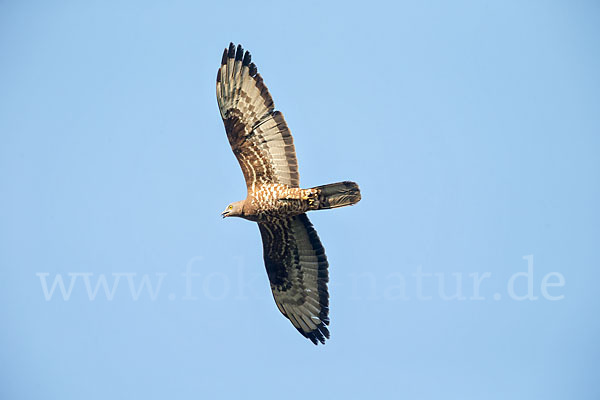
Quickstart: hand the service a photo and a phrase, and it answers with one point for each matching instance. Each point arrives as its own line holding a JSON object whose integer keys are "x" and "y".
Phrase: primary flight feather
{"x": 262, "y": 143}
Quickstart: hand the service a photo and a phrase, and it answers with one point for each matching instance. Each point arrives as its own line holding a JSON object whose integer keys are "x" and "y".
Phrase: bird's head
{"x": 234, "y": 209}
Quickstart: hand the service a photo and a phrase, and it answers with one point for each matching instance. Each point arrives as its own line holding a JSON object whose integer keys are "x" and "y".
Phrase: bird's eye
{"x": 230, "y": 207}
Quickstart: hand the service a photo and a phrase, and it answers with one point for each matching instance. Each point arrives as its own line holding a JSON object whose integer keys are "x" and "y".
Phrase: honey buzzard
{"x": 262, "y": 143}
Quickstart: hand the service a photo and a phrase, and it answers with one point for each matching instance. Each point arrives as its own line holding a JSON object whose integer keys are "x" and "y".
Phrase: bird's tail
{"x": 337, "y": 195}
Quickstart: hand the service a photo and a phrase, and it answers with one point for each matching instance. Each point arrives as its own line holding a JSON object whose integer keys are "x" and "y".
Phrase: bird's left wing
{"x": 297, "y": 269}
{"x": 258, "y": 135}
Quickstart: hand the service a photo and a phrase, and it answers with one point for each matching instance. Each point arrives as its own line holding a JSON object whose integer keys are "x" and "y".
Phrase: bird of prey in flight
{"x": 262, "y": 143}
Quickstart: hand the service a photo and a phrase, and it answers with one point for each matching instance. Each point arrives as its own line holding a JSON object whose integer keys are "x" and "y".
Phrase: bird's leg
{"x": 309, "y": 195}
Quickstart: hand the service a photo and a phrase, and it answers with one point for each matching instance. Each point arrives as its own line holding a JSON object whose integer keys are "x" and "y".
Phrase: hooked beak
{"x": 224, "y": 213}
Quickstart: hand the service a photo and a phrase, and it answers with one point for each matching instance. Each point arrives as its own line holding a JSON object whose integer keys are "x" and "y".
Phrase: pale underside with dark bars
{"x": 262, "y": 143}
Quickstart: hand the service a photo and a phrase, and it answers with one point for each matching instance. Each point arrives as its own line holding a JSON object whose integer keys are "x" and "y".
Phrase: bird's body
{"x": 262, "y": 143}
{"x": 277, "y": 200}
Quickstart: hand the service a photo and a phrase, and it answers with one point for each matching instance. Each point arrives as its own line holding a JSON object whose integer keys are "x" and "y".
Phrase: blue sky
{"x": 471, "y": 127}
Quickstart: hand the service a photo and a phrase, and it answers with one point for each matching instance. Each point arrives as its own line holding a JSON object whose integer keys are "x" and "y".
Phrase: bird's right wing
{"x": 297, "y": 269}
{"x": 258, "y": 135}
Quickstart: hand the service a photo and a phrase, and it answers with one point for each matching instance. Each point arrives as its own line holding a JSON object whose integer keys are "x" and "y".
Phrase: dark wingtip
{"x": 247, "y": 58}
{"x": 239, "y": 53}
{"x": 224, "y": 58}
{"x": 219, "y": 75}
{"x": 253, "y": 69}
{"x": 316, "y": 336}
{"x": 319, "y": 335}
{"x": 231, "y": 53}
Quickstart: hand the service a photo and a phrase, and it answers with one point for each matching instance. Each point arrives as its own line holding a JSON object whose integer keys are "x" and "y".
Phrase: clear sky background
{"x": 472, "y": 128}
